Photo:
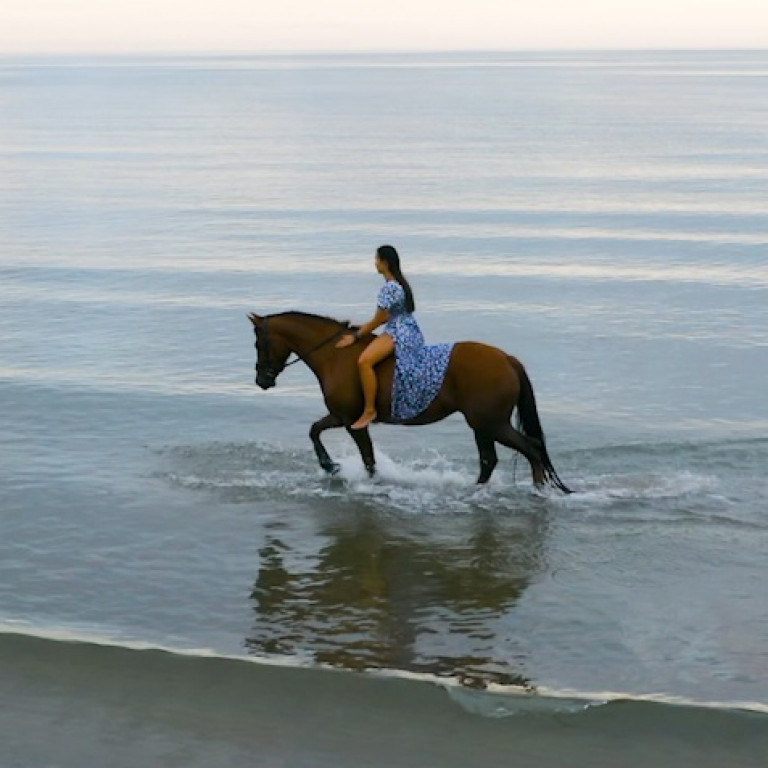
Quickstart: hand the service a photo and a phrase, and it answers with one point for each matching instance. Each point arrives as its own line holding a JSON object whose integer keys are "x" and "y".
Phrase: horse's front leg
{"x": 365, "y": 446}
{"x": 327, "y": 422}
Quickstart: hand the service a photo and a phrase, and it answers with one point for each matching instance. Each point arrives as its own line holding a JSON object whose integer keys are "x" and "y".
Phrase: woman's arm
{"x": 378, "y": 319}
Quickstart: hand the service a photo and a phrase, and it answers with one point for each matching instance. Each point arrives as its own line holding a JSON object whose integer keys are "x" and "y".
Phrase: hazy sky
{"x": 357, "y": 25}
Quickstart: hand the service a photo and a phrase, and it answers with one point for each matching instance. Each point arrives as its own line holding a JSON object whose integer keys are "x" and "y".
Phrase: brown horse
{"x": 482, "y": 382}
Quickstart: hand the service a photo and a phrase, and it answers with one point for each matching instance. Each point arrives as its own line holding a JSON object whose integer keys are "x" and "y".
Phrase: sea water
{"x": 180, "y": 584}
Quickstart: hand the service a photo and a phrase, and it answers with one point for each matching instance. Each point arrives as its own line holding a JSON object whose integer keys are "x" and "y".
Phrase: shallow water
{"x": 601, "y": 217}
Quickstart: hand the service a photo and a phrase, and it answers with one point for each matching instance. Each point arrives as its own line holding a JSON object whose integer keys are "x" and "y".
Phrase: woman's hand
{"x": 346, "y": 340}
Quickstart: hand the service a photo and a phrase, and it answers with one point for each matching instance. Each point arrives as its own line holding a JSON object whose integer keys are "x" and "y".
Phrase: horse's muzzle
{"x": 265, "y": 381}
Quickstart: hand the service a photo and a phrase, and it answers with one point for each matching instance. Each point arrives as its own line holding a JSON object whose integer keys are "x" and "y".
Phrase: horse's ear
{"x": 255, "y": 319}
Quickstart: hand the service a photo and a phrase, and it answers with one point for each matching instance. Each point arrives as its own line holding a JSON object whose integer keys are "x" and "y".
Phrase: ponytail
{"x": 390, "y": 255}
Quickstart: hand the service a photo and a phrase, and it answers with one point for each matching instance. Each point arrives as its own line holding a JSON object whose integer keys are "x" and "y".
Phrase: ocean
{"x": 180, "y": 583}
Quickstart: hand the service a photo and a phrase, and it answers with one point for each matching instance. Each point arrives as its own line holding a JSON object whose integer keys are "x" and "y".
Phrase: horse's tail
{"x": 529, "y": 424}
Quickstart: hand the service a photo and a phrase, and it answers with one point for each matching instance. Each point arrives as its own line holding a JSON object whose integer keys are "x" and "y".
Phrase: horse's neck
{"x": 304, "y": 335}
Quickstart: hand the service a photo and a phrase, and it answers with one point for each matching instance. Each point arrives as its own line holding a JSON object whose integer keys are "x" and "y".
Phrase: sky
{"x": 265, "y": 26}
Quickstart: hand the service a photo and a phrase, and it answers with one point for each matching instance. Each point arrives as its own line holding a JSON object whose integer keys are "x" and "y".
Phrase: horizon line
{"x": 237, "y": 53}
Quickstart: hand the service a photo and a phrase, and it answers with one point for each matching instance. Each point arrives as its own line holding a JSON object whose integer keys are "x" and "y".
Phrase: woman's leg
{"x": 381, "y": 347}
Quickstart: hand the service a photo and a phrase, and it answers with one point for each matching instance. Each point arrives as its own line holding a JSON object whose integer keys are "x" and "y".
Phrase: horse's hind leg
{"x": 486, "y": 447}
{"x": 507, "y": 435}
{"x": 365, "y": 446}
{"x": 327, "y": 422}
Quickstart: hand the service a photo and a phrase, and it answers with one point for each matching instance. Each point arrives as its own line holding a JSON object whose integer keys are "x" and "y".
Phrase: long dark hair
{"x": 388, "y": 254}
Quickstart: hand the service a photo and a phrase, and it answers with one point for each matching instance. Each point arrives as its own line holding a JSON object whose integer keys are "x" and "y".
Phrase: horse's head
{"x": 272, "y": 351}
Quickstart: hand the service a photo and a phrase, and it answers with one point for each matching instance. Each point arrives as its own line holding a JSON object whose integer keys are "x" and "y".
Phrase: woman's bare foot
{"x": 364, "y": 420}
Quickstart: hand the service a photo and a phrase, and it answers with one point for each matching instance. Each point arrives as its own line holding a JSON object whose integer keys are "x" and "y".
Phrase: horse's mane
{"x": 310, "y": 316}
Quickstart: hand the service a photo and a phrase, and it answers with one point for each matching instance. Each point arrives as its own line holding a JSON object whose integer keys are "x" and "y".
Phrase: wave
{"x": 485, "y": 235}
{"x": 80, "y": 649}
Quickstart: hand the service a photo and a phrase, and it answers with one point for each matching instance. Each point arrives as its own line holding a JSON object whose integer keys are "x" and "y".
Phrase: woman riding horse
{"x": 419, "y": 370}
{"x": 422, "y": 385}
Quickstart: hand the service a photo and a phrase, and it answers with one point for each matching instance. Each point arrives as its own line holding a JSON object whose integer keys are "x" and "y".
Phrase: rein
{"x": 299, "y": 358}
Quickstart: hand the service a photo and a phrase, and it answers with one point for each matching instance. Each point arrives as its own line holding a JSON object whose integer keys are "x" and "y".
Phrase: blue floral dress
{"x": 419, "y": 369}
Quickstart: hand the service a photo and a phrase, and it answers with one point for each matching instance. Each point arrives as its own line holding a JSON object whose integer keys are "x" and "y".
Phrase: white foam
{"x": 607, "y": 489}
{"x": 429, "y": 484}
{"x": 505, "y": 701}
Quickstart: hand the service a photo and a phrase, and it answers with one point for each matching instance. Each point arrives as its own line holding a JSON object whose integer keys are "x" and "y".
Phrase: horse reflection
{"x": 377, "y": 597}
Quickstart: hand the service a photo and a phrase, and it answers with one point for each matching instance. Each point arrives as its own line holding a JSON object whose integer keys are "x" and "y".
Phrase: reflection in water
{"x": 397, "y": 594}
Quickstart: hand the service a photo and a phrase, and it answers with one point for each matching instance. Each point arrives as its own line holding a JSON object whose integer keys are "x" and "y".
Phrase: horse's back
{"x": 481, "y": 363}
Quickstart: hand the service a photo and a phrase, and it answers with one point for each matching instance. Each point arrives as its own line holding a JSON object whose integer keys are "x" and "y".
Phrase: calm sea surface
{"x": 604, "y": 217}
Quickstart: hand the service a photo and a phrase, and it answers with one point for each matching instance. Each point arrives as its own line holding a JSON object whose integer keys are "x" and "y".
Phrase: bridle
{"x": 266, "y": 367}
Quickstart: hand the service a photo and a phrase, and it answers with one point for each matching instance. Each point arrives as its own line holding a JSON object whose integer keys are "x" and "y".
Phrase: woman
{"x": 419, "y": 370}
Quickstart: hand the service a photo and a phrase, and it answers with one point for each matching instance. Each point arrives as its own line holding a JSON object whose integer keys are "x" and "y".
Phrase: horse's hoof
{"x": 332, "y": 469}
{"x": 371, "y": 470}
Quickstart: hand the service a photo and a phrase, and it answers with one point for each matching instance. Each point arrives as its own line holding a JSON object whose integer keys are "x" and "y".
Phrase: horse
{"x": 482, "y": 382}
